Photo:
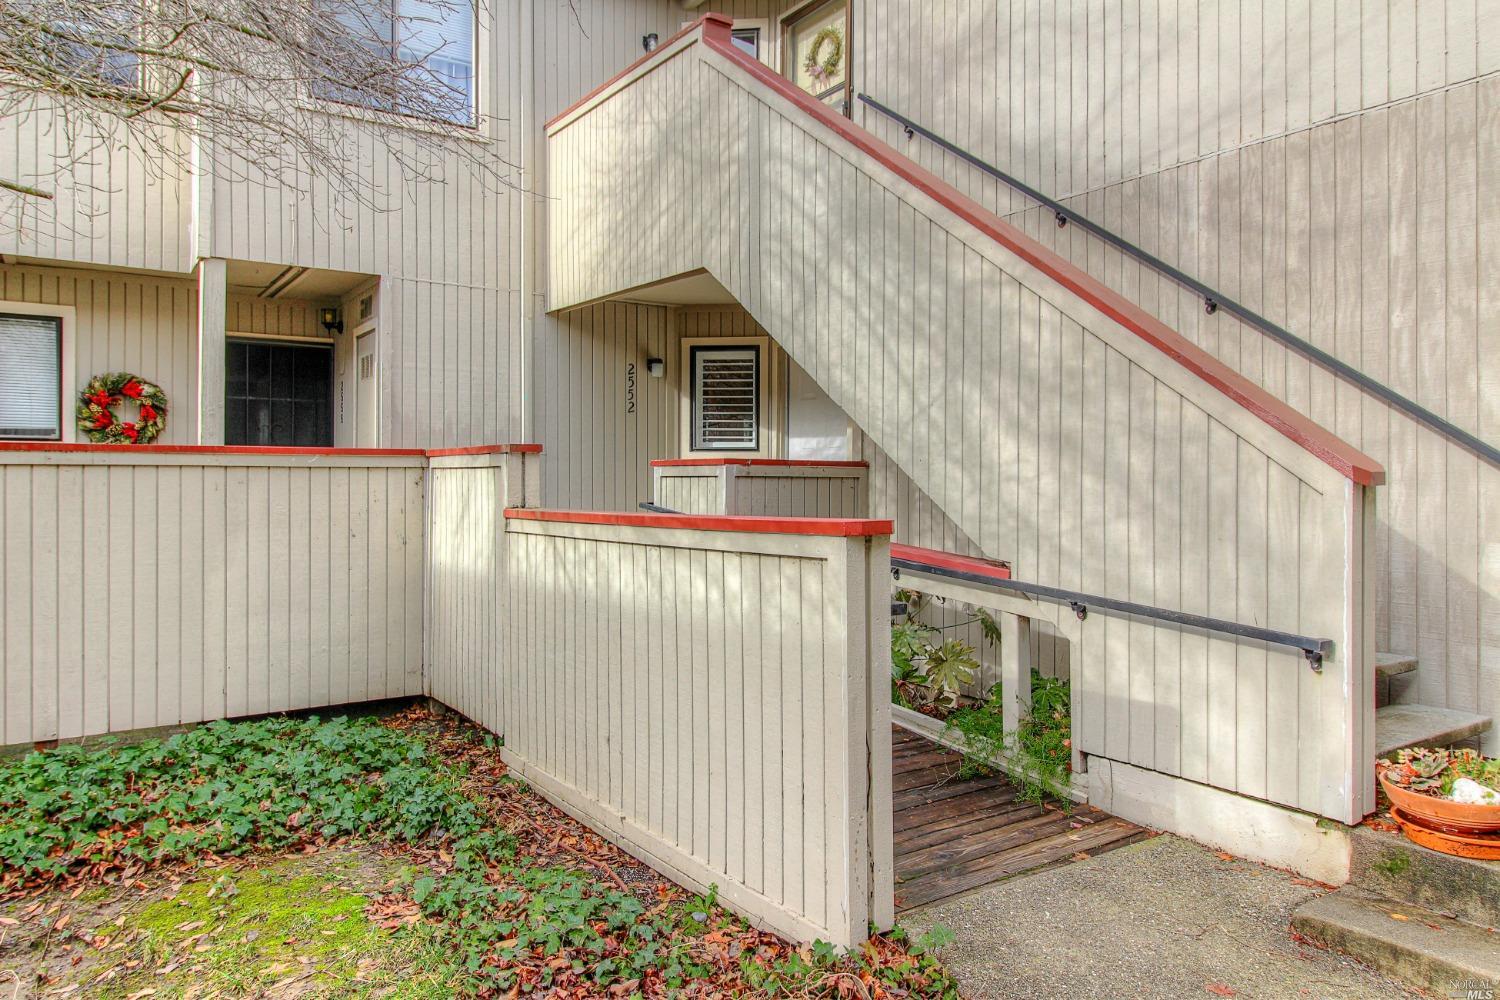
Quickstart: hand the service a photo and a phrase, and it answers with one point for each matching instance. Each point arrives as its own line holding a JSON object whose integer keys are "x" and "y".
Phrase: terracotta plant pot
{"x": 1441, "y": 814}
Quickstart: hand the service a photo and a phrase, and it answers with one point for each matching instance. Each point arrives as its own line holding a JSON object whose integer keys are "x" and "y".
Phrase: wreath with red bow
{"x": 96, "y": 414}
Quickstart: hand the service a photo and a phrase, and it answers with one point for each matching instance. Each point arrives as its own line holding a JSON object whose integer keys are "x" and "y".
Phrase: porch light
{"x": 656, "y": 367}
{"x": 330, "y": 320}
{"x": 648, "y": 42}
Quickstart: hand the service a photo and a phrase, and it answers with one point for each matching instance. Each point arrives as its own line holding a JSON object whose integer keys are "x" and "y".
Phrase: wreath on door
{"x": 96, "y": 409}
{"x": 822, "y": 68}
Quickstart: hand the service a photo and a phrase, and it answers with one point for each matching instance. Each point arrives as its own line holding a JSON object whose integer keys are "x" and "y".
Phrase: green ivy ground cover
{"x": 492, "y": 892}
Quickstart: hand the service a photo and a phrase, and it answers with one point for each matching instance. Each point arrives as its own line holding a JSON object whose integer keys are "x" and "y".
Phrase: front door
{"x": 278, "y": 393}
{"x": 816, "y": 51}
{"x": 366, "y": 380}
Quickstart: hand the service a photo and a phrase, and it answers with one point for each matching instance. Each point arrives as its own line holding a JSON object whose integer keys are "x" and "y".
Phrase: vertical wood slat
{"x": 235, "y": 619}
{"x": 777, "y": 815}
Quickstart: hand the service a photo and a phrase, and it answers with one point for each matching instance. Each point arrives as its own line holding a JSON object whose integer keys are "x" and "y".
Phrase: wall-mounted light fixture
{"x": 656, "y": 367}
{"x": 648, "y": 42}
{"x": 330, "y": 320}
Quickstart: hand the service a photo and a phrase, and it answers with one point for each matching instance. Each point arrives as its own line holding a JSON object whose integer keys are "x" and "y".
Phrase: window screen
{"x": 726, "y": 398}
{"x": 278, "y": 394}
{"x": 30, "y": 377}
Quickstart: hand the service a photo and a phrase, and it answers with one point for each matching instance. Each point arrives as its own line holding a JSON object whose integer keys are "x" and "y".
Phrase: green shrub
{"x": 1040, "y": 751}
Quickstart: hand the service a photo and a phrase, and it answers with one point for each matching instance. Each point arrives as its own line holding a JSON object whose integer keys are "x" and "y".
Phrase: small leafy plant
{"x": 1433, "y": 770}
{"x": 929, "y": 672}
{"x": 1040, "y": 752}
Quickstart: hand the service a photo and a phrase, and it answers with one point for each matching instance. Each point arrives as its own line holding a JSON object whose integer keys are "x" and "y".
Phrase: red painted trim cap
{"x": 486, "y": 449}
{"x": 207, "y": 449}
{"x": 1321, "y": 442}
{"x": 951, "y": 560}
{"x": 828, "y": 526}
{"x": 791, "y": 463}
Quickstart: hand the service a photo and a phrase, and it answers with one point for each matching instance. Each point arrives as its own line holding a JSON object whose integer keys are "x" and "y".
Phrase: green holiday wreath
{"x": 97, "y": 418}
{"x": 821, "y": 70}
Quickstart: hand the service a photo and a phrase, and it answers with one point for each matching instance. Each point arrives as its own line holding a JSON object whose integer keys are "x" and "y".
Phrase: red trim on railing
{"x": 656, "y": 53}
{"x": 487, "y": 449}
{"x": 794, "y": 463}
{"x": 952, "y": 560}
{"x": 1318, "y": 440}
{"x": 831, "y": 526}
{"x": 208, "y": 449}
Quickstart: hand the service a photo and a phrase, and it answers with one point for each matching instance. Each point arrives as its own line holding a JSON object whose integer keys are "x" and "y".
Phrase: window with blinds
{"x": 30, "y": 377}
{"x": 726, "y": 398}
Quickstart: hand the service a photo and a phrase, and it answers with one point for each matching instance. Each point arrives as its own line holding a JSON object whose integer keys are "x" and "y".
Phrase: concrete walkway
{"x": 1163, "y": 918}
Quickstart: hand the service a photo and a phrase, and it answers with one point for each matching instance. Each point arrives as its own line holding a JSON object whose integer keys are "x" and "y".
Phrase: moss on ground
{"x": 295, "y": 927}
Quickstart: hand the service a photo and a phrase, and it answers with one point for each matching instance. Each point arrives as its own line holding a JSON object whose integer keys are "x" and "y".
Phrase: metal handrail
{"x": 1315, "y": 650}
{"x": 1213, "y": 300}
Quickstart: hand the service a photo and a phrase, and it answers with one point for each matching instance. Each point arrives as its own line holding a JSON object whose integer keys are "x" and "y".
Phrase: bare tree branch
{"x": 293, "y": 94}
{"x": 24, "y": 189}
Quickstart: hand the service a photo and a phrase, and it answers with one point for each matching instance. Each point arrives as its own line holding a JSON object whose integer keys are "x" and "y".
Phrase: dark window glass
{"x": 278, "y": 394}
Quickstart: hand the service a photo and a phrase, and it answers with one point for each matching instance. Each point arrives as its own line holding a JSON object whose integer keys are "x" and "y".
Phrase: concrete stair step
{"x": 1388, "y": 864}
{"x": 1398, "y": 726}
{"x": 1388, "y": 665}
{"x": 1406, "y": 942}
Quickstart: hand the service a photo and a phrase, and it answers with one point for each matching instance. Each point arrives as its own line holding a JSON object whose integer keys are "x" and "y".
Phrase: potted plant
{"x": 1456, "y": 791}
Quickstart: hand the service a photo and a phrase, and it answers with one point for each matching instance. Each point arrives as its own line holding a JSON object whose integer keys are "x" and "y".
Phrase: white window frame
{"x": 762, "y": 345}
{"x": 479, "y": 129}
{"x": 70, "y": 387}
{"x": 770, "y": 42}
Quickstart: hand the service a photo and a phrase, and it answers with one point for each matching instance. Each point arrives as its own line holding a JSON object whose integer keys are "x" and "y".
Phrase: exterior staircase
{"x": 1399, "y": 722}
{"x": 1424, "y": 918}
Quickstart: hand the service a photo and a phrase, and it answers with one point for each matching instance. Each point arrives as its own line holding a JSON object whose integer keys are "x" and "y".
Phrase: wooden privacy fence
{"x": 153, "y": 586}
{"x": 762, "y": 487}
{"x": 711, "y": 693}
{"x": 468, "y": 490}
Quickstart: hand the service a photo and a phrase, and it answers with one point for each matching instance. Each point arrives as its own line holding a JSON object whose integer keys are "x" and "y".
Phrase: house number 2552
{"x": 630, "y": 387}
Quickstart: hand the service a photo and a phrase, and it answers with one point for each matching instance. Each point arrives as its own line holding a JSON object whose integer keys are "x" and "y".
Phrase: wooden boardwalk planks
{"x": 953, "y": 834}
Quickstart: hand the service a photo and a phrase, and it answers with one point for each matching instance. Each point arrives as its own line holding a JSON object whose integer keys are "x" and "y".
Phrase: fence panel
{"x": 147, "y": 587}
{"x": 467, "y": 493}
{"x": 713, "y": 700}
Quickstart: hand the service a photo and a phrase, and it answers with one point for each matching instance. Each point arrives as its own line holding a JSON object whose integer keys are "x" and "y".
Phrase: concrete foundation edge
{"x": 1248, "y": 828}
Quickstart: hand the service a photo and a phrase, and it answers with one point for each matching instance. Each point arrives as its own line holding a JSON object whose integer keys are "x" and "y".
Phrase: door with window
{"x": 278, "y": 394}
{"x": 816, "y": 51}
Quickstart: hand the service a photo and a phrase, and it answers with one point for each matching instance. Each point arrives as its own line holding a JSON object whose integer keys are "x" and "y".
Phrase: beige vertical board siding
{"x": 467, "y": 601}
{"x": 609, "y": 718}
{"x": 231, "y": 622}
{"x": 1318, "y": 163}
{"x": 288, "y": 318}
{"x": 116, "y": 204}
{"x": 807, "y": 491}
{"x": 121, "y": 322}
{"x": 599, "y": 449}
{"x": 1129, "y": 387}
{"x": 763, "y": 490}
{"x": 690, "y": 494}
